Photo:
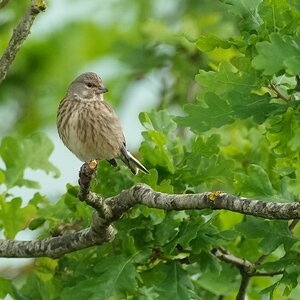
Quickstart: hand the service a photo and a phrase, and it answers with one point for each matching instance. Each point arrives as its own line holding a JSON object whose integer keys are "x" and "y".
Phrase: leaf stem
{"x": 278, "y": 94}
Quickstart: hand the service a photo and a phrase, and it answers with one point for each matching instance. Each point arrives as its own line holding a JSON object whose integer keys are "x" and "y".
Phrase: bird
{"x": 89, "y": 127}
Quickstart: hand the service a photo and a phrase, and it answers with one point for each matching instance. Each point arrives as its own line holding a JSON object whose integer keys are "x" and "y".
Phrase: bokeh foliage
{"x": 227, "y": 119}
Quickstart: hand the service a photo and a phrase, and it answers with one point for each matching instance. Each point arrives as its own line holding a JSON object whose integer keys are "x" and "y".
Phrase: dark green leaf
{"x": 272, "y": 233}
{"x": 18, "y": 155}
{"x": 274, "y": 55}
{"x": 114, "y": 278}
{"x": 255, "y": 182}
{"x": 247, "y": 10}
{"x": 169, "y": 281}
{"x": 13, "y": 217}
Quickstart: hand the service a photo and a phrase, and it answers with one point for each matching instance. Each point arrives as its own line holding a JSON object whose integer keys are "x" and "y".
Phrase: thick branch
{"x": 55, "y": 247}
{"x": 19, "y": 35}
{"x": 109, "y": 210}
{"x": 98, "y": 233}
{"x": 143, "y": 194}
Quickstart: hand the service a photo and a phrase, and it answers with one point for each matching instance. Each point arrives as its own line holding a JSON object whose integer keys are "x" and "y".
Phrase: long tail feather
{"x": 133, "y": 164}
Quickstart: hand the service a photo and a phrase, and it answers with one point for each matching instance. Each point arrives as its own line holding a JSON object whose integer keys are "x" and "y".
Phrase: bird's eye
{"x": 88, "y": 84}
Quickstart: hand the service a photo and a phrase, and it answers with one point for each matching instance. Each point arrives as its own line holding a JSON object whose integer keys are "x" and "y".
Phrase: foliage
{"x": 234, "y": 128}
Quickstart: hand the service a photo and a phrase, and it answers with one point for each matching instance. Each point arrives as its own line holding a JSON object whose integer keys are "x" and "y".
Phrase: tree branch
{"x": 246, "y": 268}
{"x": 55, "y": 247}
{"x": 19, "y": 35}
{"x": 224, "y": 255}
{"x": 3, "y": 3}
{"x": 243, "y": 286}
{"x": 111, "y": 209}
{"x": 143, "y": 194}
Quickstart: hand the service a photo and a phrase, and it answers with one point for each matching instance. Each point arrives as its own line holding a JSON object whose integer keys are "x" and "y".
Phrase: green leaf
{"x": 280, "y": 131}
{"x": 294, "y": 185}
{"x": 207, "y": 43}
{"x": 227, "y": 94}
{"x": 255, "y": 182}
{"x": 35, "y": 223}
{"x": 217, "y": 282}
{"x": 167, "y": 231}
{"x": 292, "y": 64}
{"x": 170, "y": 281}
{"x": 160, "y": 145}
{"x": 157, "y": 155}
{"x": 14, "y": 218}
{"x": 164, "y": 186}
{"x": 206, "y": 147}
{"x": 114, "y": 277}
{"x": 280, "y": 16}
{"x": 237, "y": 76}
{"x": 270, "y": 290}
{"x": 217, "y": 113}
{"x": 71, "y": 198}
{"x": 275, "y": 55}
{"x": 159, "y": 121}
{"x": 111, "y": 181}
{"x": 6, "y": 288}
{"x": 208, "y": 262}
{"x": 247, "y": 10}
{"x": 37, "y": 288}
{"x": 169, "y": 236}
{"x": 207, "y": 238}
{"x": 272, "y": 233}
{"x": 38, "y": 200}
{"x": 2, "y": 176}
{"x": 251, "y": 105}
{"x": 18, "y": 155}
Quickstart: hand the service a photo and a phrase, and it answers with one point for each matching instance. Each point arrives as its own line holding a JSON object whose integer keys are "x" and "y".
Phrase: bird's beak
{"x": 103, "y": 89}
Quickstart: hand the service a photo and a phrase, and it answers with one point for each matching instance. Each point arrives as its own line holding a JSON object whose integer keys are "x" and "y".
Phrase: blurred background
{"x": 144, "y": 50}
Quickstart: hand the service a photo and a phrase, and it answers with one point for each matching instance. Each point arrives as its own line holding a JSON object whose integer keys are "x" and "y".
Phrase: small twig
{"x": 226, "y": 256}
{"x": 269, "y": 274}
{"x": 3, "y": 3}
{"x": 261, "y": 259}
{"x": 19, "y": 35}
{"x": 243, "y": 265}
{"x": 278, "y": 94}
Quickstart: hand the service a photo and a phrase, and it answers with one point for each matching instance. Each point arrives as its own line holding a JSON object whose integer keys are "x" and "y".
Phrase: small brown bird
{"x": 89, "y": 127}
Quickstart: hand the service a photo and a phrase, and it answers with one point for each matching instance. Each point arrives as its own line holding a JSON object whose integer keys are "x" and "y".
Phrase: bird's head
{"x": 88, "y": 86}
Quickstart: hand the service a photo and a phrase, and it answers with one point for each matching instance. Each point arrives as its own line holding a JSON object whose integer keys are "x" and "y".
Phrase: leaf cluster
{"x": 238, "y": 133}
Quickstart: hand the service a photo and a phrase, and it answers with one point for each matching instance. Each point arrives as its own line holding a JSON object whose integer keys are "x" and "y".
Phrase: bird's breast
{"x": 90, "y": 130}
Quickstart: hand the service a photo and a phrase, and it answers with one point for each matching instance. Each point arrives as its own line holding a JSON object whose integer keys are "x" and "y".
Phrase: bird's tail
{"x": 133, "y": 164}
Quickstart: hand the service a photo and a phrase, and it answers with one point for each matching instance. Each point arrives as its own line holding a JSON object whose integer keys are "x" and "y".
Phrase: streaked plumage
{"x": 89, "y": 127}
